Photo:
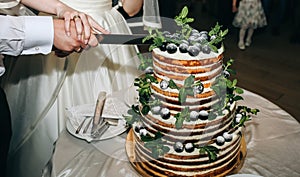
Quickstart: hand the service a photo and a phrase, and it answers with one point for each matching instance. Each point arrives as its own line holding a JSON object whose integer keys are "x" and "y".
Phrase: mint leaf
{"x": 211, "y": 151}
{"x": 189, "y": 81}
{"x": 182, "y": 95}
{"x": 180, "y": 117}
{"x": 173, "y": 85}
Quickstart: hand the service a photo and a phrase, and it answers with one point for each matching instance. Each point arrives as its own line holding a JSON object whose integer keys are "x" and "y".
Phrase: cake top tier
{"x": 187, "y": 40}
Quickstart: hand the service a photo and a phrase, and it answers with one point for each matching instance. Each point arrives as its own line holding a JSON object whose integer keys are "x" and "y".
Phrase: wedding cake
{"x": 187, "y": 122}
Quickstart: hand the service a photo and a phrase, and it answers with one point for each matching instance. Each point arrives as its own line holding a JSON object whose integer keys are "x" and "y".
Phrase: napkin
{"x": 114, "y": 108}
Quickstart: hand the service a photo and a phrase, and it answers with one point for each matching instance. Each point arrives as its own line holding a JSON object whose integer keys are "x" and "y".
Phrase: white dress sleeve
{"x": 26, "y": 35}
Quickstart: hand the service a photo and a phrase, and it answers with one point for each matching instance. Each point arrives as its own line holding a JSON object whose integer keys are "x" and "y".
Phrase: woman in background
{"x": 250, "y": 15}
{"x": 39, "y": 88}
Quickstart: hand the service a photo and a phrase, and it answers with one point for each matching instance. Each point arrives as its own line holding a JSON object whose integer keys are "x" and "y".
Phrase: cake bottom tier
{"x": 151, "y": 168}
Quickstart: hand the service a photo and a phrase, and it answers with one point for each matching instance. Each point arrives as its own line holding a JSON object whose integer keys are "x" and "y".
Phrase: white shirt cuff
{"x": 39, "y": 35}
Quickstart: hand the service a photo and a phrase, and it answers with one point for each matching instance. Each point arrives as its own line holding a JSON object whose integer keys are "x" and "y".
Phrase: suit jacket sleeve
{"x": 25, "y": 35}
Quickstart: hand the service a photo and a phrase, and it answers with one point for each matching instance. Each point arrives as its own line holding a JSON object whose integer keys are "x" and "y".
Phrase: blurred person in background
{"x": 249, "y": 16}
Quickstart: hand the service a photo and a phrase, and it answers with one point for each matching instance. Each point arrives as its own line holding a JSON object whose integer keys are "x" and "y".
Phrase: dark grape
{"x": 206, "y": 49}
{"x": 163, "y": 47}
{"x": 194, "y": 115}
{"x": 171, "y": 48}
{"x": 183, "y": 47}
{"x": 198, "y": 89}
{"x": 189, "y": 147}
{"x": 164, "y": 84}
{"x": 227, "y": 136}
{"x": 203, "y": 115}
{"x": 220, "y": 140}
{"x": 165, "y": 113}
{"x": 155, "y": 109}
{"x": 178, "y": 147}
{"x": 193, "y": 50}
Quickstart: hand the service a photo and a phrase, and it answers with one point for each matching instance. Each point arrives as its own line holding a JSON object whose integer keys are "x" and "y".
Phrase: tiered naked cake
{"x": 187, "y": 122}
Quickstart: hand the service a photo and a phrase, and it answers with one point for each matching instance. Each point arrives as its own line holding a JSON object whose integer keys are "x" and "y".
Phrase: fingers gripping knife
{"x": 99, "y": 126}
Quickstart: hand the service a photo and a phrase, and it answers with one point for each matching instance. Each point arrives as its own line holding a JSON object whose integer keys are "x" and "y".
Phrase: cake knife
{"x": 129, "y": 39}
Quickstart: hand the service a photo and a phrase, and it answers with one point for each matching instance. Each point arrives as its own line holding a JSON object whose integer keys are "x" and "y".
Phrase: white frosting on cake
{"x": 185, "y": 56}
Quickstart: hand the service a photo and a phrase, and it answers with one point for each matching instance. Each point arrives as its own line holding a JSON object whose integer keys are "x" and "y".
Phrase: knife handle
{"x": 98, "y": 110}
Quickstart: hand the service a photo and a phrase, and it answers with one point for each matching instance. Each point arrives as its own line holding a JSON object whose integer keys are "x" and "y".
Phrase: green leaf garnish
{"x": 211, "y": 151}
{"x": 155, "y": 144}
{"x": 180, "y": 117}
{"x": 133, "y": 115}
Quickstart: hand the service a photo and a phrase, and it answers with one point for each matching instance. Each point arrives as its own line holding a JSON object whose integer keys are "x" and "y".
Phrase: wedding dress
{"x": 39, "y": 88}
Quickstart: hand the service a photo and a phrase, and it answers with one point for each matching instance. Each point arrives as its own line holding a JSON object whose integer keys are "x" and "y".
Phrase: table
{"x": 273, "y": 143}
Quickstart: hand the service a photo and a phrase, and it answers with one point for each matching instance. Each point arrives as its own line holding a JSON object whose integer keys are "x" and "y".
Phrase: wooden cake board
{"x": 130, "y": 150}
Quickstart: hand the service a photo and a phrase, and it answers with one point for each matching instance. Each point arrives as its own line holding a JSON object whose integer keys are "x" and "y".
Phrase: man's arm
{"x": 35, "y": 34}
{"x": 22, "y": 35}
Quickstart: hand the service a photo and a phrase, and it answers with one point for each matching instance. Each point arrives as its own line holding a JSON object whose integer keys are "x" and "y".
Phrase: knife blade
{"x": 129, "y": 39}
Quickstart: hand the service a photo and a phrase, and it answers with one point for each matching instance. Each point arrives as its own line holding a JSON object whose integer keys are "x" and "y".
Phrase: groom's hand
{"x": 63, "y": 44}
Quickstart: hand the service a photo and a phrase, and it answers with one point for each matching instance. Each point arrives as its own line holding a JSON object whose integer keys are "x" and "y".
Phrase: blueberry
{"x": 171, "y": 48}
{"x": 184, "y": 41}
{"x": 165, "y": 113}
{"x": 155, "y": 109}
{"x": 196, "y": 35}
{"x": 143, "y": 132}
{"x": 174, "y": 36}
{"x": 192, "y": 39}
{"x": 149, "y": 70}
{"x": 164, "y": 84}
{"x": 138, "y": 126}
{"x": 206, "y": 49}
{"x": 201, "y": 40}
{"x": 227, "y": 136}
{"x": 226, "y": 74}
{"x": 204, "y": 34}
{"x": 183, "y": 47}
{"x": 194, "y": 115}
{"x": 163, "y": 47}
{"x": 193, "y": 50}
{"x": 198, "y": 89}
{"x": 238, "y": 115}
{"x": 220, "y": 140}
{"x": 178, "y": 147}
{"x": 198, "y": 45}
{"x": 189, "y": 147}
{"x": 203, "y": 115}
{"x": 194, "y": 31}
{"x": 237, "y": 119}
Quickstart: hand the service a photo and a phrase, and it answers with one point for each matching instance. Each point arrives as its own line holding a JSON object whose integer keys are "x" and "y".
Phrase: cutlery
{"x": 80, "y": 126}
{"x": 99, "y": 131}
{"x": 110, "y": 122}
{"x": 87, "y": 126}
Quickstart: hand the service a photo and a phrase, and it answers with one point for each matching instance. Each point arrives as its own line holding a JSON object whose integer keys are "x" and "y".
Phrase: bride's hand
{"x": 83, "y": 22}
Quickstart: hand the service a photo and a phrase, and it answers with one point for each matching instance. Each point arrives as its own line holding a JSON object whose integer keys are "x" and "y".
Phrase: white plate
{"x": 112, "y": 131}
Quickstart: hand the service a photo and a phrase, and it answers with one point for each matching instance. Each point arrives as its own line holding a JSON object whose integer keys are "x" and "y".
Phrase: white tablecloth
{"x": 273, "y": 148}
